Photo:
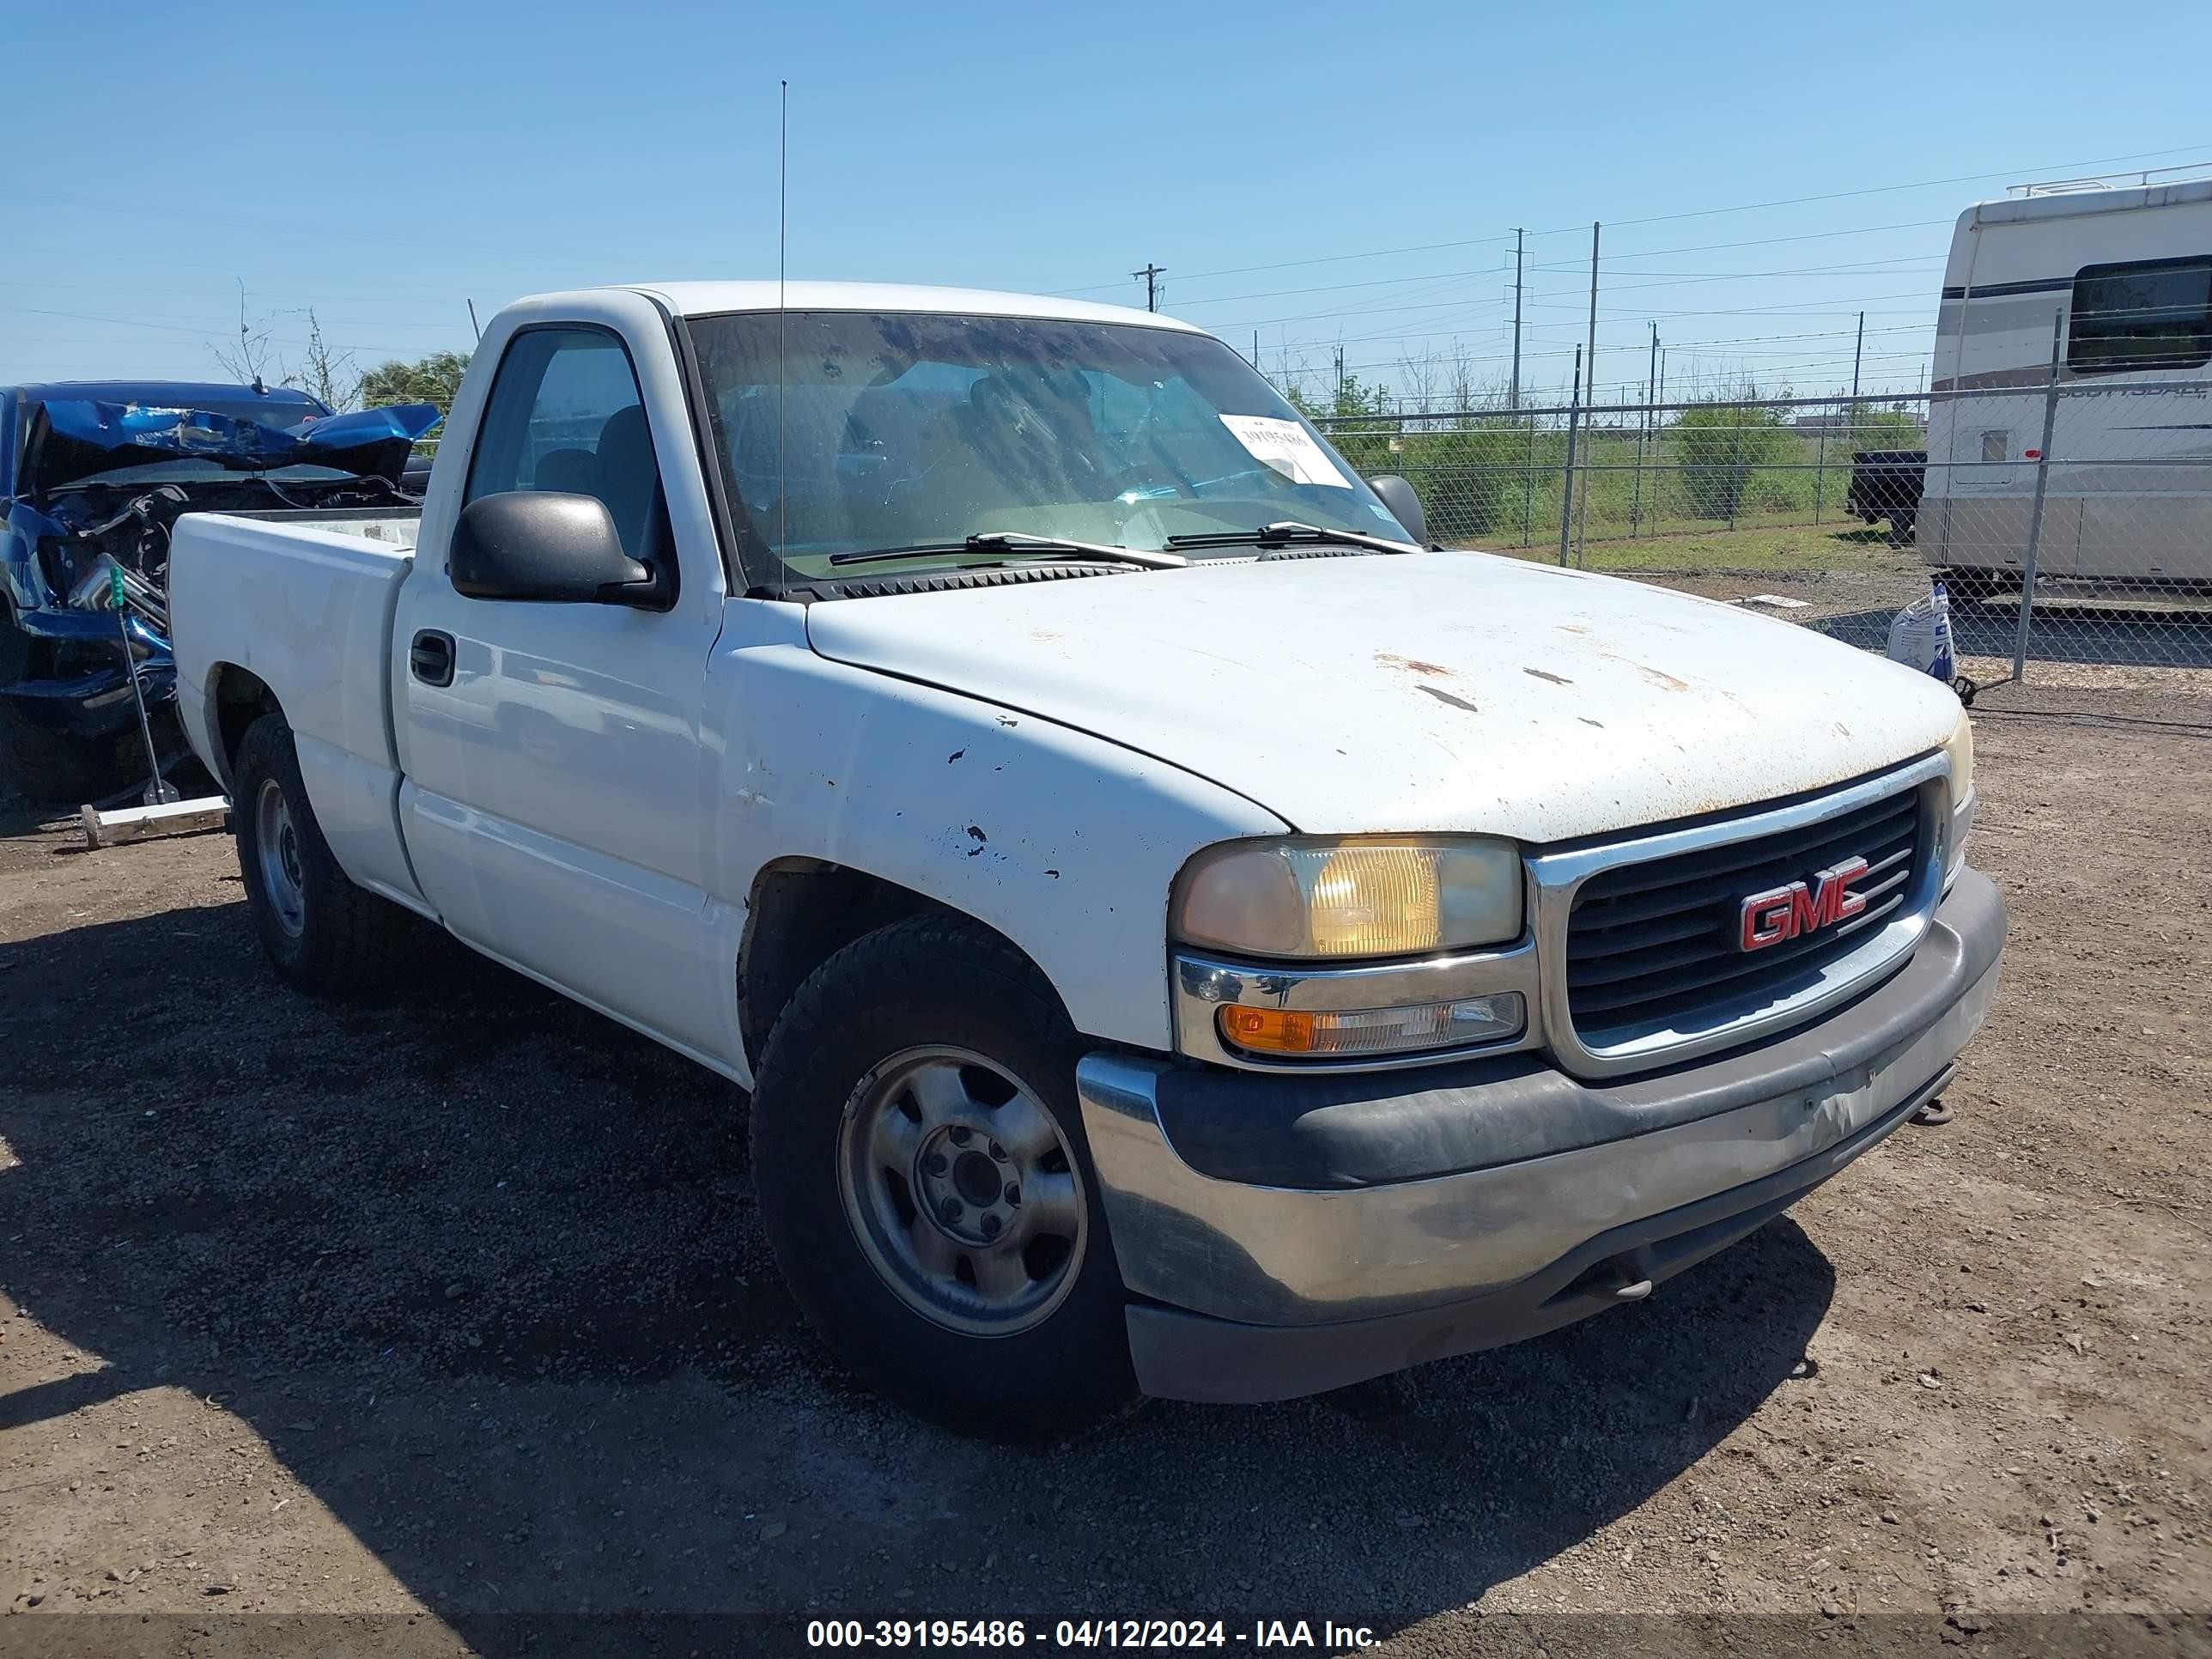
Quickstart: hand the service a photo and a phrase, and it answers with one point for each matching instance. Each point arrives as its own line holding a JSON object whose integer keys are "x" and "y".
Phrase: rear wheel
{"x": 321, "y": 933}
{"x": 925, "y": 1182}
{"x": 1981, "y": 584}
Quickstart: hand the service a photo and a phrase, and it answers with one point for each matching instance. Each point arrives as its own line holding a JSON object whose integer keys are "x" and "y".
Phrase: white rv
{"x": 2120, "y": 281}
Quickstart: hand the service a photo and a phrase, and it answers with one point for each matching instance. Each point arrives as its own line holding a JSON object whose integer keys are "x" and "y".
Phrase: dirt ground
{"x": 444, "y": 1321}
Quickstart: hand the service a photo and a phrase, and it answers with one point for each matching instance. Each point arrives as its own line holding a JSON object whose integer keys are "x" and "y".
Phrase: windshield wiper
{"x": 1014, "y": 543}
{"x": 1291, "y": 534}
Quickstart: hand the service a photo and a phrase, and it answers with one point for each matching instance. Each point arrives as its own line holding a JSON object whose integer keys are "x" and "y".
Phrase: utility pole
{"x": 1339, "y": 378}
{"x": 1513, "y": 394}
{"x": 1589, "y": 363}
{"x": 1152, "y": 274}
{"x": 1858, "y": 352}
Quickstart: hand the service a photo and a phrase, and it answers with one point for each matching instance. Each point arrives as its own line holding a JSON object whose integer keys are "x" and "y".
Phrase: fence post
{"x": 1567, "y": 488}
{"x": 1636, "y": 505}
{"x": 1529, "y": 486}
{"x": 2035, "y": 513}
{"x": 1821, "y": 470}
{"x": 1736, "y": 482}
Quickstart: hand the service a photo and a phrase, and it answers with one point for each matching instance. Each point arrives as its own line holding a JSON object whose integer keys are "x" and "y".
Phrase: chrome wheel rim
{"x": 962, "y": 1192}
{"x": 276, "y": 857}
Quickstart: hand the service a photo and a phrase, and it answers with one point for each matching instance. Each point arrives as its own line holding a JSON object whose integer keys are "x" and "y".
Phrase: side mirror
{"x": 1394, "y": 493}
{"x": 542, "y": 545}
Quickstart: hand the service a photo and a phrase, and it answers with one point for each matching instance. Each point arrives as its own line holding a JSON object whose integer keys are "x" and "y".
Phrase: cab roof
{"x": 707, "y": 299}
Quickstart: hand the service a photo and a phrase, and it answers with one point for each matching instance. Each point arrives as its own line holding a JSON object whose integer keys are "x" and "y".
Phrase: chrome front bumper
{"x": 1543, "y": 1200}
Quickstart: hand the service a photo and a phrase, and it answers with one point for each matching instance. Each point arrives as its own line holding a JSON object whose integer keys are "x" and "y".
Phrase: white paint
{"x": 2128, "y": 490}
{"x": 1064, "y": 842}
{"x": 711, "y": 299}
{"x": 595, "y": 798}
{"x": 1421, "y": 691}
{"x": 307, "y": 609}
{"x": 555, "y": 817}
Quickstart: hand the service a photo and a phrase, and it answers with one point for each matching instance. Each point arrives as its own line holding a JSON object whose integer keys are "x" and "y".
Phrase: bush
{"x": 1719, "y": 449}
{"x": 1471, "y": 479}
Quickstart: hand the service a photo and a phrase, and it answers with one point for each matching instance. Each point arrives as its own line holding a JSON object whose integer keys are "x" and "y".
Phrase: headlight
{"x": 1369, "y": 897}
{"x": 1959, "y": 747}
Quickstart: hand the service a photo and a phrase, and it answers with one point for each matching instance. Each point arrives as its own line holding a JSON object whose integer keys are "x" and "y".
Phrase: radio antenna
{"x": 782, "y": 221}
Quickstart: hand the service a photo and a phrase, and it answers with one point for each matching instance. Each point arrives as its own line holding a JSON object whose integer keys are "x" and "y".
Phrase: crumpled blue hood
{"x": 83, "y": 436}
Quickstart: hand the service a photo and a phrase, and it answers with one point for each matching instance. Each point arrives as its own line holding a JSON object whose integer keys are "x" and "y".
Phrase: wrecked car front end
{"x": 94, "y": 486}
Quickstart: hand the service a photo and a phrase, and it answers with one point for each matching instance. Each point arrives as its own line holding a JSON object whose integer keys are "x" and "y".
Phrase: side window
{"x": 2154, "y": 313}
{"x": 564, "y": 414}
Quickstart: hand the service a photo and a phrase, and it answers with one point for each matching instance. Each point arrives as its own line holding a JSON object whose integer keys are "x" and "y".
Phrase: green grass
{"x": 1801, "y": 547}
{"x": 1660, "y": 504}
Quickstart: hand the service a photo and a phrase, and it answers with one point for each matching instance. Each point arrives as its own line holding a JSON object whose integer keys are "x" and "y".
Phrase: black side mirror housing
{"x": 1394, "y": 493}
{"x": 547, "y": 547}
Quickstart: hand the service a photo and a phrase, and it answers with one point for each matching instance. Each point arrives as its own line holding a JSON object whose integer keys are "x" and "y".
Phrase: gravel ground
{"x": 2084, "y": 640}
{"x": 444, "y": 1321}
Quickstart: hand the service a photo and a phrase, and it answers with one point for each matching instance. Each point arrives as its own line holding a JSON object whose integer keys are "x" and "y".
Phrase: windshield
{"x": 850, "y": 432}
{"x": 279, "y": 414}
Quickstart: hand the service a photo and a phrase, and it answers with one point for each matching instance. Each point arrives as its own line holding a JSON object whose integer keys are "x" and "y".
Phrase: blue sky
{"x": 384, "y": 165}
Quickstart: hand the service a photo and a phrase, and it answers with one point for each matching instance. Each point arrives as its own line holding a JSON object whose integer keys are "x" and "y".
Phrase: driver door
{"x": 554, "y": 768}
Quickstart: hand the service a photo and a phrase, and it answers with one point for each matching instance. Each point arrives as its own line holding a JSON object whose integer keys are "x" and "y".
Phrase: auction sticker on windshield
{"x": 1287, "y": 447}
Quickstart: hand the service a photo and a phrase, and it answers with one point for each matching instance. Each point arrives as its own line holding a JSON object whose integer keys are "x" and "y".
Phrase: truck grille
{"x": 1652, "y": 946}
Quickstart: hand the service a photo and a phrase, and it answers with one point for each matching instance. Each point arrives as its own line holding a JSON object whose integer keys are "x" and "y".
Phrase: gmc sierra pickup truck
{"x": 1179, "y": 933}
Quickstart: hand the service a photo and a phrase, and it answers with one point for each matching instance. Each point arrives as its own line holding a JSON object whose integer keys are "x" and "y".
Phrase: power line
{"x": 1668, "y": 218}
{"x": 1338, "y": 288}
{"x": 1885, "y": 190}
{"x": 1291, "y": 264}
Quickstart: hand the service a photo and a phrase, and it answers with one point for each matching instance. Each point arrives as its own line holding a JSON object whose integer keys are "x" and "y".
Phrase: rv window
{"x": 2154, "y": 313}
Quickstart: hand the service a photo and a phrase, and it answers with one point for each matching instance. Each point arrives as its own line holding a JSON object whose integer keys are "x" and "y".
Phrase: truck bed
{"x": 302, "y": 603}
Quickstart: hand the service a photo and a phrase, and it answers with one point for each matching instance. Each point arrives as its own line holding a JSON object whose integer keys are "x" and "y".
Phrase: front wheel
{"x": 925, "y": 1182}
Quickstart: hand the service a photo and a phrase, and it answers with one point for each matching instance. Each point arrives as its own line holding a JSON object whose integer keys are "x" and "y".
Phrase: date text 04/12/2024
{"x": 1327, "y": 1636}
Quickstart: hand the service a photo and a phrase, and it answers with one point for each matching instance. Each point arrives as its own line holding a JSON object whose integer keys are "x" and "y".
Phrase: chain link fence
{"x": 2071, "y": 517}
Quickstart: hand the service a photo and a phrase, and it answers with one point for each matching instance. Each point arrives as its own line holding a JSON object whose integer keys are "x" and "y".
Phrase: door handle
{"x": 430, "y": 658}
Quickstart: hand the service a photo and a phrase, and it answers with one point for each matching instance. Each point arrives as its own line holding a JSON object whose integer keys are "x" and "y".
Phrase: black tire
{"x": 931, "y": 980}
{"x": 1981, "y": 584}
{"x": 339, "y": 936}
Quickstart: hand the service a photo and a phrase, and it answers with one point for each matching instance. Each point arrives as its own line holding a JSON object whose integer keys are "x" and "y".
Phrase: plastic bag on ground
{"x": 1920, "y": 635}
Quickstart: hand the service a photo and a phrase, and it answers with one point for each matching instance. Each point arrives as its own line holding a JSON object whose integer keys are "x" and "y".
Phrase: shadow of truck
{"x": 483, "y": 1271}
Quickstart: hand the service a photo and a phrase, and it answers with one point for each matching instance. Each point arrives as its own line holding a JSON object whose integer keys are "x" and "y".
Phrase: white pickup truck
{"x": 1179, "y": 933}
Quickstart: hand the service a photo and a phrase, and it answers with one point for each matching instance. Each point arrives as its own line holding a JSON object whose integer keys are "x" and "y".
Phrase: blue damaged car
{"x": 93, "y": 474}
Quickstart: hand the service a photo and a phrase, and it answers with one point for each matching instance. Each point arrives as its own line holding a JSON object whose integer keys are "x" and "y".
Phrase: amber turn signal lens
{"x": 1268, "y": 1030}
{"x": 1296, "y": 1033}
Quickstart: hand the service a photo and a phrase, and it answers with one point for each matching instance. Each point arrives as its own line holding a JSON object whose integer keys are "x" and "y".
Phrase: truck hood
{"x": 79, "y": 437}
{"x": 1430, "y": 692}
